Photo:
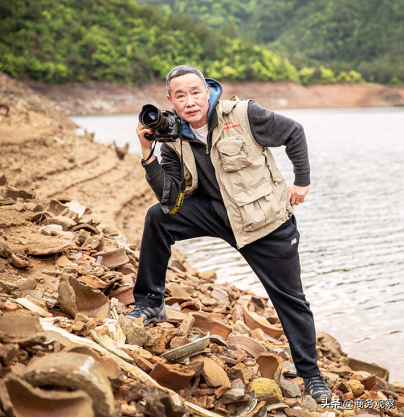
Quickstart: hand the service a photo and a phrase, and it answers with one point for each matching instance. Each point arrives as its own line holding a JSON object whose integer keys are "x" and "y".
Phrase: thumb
{"x": 288, "y": 198}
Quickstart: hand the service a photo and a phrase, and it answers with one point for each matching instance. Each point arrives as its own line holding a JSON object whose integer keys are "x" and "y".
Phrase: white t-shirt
{"x": 201, "y": 133}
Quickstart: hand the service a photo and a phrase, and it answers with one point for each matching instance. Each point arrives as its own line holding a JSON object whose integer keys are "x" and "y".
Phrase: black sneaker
{"x": 315, "y": 387}
{"x": 149, "y": 314}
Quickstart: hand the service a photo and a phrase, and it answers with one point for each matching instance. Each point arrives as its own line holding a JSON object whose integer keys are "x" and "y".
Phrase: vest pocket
{"x": 258, "y": 206}
{"x": 233, "y": 153}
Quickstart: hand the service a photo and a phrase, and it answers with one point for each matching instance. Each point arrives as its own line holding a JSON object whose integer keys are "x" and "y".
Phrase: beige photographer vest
{"x": 253, "y": 189}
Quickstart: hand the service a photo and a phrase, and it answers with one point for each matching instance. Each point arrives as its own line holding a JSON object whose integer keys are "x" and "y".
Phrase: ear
{"x": 169, "y": 99}
{"x": 208, "y": 91}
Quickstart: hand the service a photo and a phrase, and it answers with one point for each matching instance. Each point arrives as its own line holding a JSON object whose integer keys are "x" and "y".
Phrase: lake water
{"x": 351, "y": 226}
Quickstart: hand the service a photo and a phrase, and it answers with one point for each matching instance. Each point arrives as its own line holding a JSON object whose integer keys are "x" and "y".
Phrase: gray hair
{"x": 182, "y": 70}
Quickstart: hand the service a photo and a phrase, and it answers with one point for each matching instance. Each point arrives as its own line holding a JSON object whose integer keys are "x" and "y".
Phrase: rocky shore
{"x": 101, "y": 98}
{"x": 71, "y": 216}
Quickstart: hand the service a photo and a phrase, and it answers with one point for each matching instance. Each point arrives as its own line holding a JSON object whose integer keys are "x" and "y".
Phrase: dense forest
{"x": 367, "y": 35}
{"x": 120, "y": 40}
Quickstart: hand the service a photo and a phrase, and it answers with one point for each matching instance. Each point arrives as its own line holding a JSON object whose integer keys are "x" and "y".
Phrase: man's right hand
{"x": 144, "y": 142}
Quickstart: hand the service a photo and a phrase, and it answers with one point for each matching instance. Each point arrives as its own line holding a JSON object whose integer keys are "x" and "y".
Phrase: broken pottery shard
{"x": 174, "y": 316}
{"x": 219, "y": 294}
{"x": 206, "y": 323}
{"x": 209, "y": 275}
{"x": 10, "y": 288}
{"x": 106, "y": 342}
{"x": 93, "y": 281}
{"x": 48, "y": 251}
{"x": 187, "y": 324}
{"x": 254, "y": 320}
{"x": 186, "y": 351}
{"x": 8, "y": 353}
{"x": 20, "y": 399}
{"x": 328, "y": 341}
{"x": 25, "y": 194}
{"x": 32, "y": 306}
{"x": 87, "y": 227}
{"x": 171, "y": 377}
{"x": 247, "y": 344}
{"x": 75, "y": 206}
{"x": 270, "y": 366}
{"x": 56, "y": 207}
{"x": 124, "y": 295}
{"x": 162, "y": 406}
{"x": 213, "y": 374}
{"x": 63, "y": 221}
{"x": 74, "y": 371}
{"x": 113, "y": 259}
{"x": 75, "y": 297}
{"x": 373, "y": 368}
{"x": 12, "y": 192}
{"x": 19, "y": 263}
{"x": 22, "y": 330}
{"x": 177, "y": 291}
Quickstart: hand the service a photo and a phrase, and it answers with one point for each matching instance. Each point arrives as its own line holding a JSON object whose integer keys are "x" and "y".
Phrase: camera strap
{"x": 180, "y": 197}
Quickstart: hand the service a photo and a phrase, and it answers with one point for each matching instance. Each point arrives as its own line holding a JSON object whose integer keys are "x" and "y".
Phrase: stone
{"x": 213, "y": 374}
{"x": 266, "y": 390}
{"x": 135, "y": 335}
{"x": 356, "y": 387}
{"x": 175, "y": 290}
{"x": 10, "y": 306}
{"x": 130, "y": 391}
{"x": 162, "y": 406}
{"x": 26, "y": 194}
{"x": 187, "y": 324}
{"x": 74, "y": 371}
{"x": 3, "y": 179}
{"x": 270, "y": 366}
{"x": 241, "y": 328}
{"x": 19, "y": 398}
{"x": 28, "y": 284}
{"x": 5, "y": 250}
{"x": 75, "y": 297}
{"x": 7, "y": 353}
{"x": 156, "y": 341}
{"x": 19, "y": 262}
{"x": 63, "y": 221}
{"x": 12, "y": 193}
{"x": 247, "y": 344}
{"x": 240, "y": 371}
{"x": 308, "y": 402}
{"x": 22, "y": 330}
{"x": 209, "y": 301}
{"x": 10, "y": 288}
{"x": 372, "y": 368}
{"x": 208, "y": 275}
{"x": 291, "y": 369}
{"x": 343, "y": 371}
{"x": 2, "y": 265}
{"x": 177, "y": 264}
{"x": 289, "y": 389}
{"x": 171, "y": 377}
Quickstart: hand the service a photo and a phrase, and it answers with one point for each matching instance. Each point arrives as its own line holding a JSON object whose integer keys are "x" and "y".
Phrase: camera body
{"x": 165, "y": 124}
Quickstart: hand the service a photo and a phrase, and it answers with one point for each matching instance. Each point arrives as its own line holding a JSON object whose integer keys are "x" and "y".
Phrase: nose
{"x": 190, "y": 100}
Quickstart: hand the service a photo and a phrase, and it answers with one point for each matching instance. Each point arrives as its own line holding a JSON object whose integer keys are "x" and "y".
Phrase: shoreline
{"x": 43, "y": 156}
{"x": 100, "y": 98}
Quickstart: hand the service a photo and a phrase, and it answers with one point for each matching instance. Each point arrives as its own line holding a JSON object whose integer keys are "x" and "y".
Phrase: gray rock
{"x": 5, "y": 250}
{"x": 135, "y": 335}
{"x": 308, "y": 402}
{"x": 292, "y": 369}
{"x": 289, "y": 389}
{"x": 10, "y": 288}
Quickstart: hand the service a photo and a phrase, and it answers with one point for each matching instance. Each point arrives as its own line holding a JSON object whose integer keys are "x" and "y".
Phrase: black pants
{"x": 274, "y": 258}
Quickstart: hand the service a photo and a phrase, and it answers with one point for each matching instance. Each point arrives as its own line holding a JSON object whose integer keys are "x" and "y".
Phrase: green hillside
{"x": 367, "y": 35}
{"x": 118, "y": 40}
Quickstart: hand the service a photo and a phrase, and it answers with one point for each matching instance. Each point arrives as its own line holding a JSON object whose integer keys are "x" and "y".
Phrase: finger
{"x": 288, "y": 198}
{"x": 293, "y": 199}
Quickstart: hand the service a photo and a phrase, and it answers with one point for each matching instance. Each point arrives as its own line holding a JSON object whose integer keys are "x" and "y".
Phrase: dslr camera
{"x": 165, "y": 124}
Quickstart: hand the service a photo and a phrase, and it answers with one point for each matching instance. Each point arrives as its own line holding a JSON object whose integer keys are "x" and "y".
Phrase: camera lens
{"x": 151, "y": 117}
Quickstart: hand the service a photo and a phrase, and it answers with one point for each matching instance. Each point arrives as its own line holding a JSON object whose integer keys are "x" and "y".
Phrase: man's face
{"x": 189, "y": 97}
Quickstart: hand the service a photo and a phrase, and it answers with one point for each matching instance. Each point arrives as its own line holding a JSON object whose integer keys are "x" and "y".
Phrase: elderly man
{"x": 234, "y": 191}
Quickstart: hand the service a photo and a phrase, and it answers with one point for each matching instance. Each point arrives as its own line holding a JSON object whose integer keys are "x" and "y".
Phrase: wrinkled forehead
{"x": 186, "y": 83}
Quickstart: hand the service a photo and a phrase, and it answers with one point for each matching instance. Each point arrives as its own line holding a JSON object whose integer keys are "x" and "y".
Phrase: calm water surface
{"x": 351, "y": 226}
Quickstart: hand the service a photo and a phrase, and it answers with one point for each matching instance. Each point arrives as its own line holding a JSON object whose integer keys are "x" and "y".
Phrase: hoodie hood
{"x": 215, "y": 90}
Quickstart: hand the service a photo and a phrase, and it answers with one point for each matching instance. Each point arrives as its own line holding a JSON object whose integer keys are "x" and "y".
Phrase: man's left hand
{"x": 296, "y": 194}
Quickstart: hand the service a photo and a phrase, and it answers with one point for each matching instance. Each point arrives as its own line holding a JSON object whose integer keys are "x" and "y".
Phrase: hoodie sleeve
{"x": 270, "y": 129}
{"x": 165, "y": 177}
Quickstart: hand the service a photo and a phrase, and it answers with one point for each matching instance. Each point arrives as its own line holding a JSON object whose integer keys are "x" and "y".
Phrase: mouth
{"x": 192, "y": 113}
